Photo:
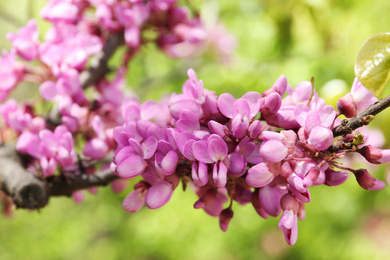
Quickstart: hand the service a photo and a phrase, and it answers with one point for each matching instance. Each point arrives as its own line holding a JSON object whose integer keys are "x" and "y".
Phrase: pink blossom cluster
{"x": 266, "y": 149}
{"x": 80, "y": 29}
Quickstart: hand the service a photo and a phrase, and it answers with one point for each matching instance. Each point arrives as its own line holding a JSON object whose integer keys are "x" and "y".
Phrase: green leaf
{"x": 372, "y": 66}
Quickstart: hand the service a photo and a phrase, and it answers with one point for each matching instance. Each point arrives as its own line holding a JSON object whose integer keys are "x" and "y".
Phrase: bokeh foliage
{"x": 298, "y": 38}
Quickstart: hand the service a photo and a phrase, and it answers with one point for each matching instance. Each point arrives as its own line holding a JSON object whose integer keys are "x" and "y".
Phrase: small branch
{"x": 31, "y": 192}
{"x": 99, "y": 64}
{"x": 69, "y": 184}
{"x": 348, "y": 125}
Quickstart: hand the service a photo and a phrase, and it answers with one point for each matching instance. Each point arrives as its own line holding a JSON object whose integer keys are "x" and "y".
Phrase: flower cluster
{"x": 266, "y": 149}
{"x": 80, "y": 29}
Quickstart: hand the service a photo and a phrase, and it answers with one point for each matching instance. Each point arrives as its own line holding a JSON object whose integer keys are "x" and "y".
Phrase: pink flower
{"x": 25, "y": 41}
{"x": 288, "y": 221}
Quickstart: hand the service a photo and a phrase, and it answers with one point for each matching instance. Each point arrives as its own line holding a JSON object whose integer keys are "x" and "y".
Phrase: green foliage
{"x": 372, "y": 66}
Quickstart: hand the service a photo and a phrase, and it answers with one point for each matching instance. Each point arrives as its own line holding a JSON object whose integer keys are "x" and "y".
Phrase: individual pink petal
{"x": 320, "y": 138}
{"x": 270, "y": 200}
{"x": 284, "y": 118}
{"x": 301, "y": 196}
{"x": 259, "y": 175}
{"x": 301, "y": 112}
{"x": 241, "y": 107}
{"x": 211, "y": 102}
{"x": 271, "y": 103}
{"x": 134, "y": 201}
{"x": 158, "y": 195}
{"x": 362, "y": 96}
{"x": 239, "y": 126}
{"x": 237, "y": 165}
{"x": 312, "y": 120}
{"x": 225, "y": 104}
{"x": 199, "y": 173}
{"x": 311, "y": 177}
{"x": 149, "y": 147}
{"x": 131, "y": 167}
{"x": 271, "y": 135}
{"x": 254, "y": 101}
{"x": 297, "y": 182}
{"x": 327, "y": 115}
{"x": 29, "y": 143}
{"x": 216, "y": 148}
{"x": 188, "y": 121}
{"x": 169, "y": 162}
{"x": 220, "y": 174}
{"x": 48, "y": 90}
{"x": 273, "y": 151}
{"x": 218, "y": 129}
{"x": 200, "y": 152}
{"x": 279, "y": 87}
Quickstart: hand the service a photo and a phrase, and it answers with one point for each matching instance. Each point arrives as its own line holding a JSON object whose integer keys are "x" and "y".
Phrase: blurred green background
{"x": 301, "y": 39}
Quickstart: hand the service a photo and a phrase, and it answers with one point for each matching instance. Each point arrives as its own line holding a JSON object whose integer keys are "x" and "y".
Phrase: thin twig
{"x": 348, "y": 125}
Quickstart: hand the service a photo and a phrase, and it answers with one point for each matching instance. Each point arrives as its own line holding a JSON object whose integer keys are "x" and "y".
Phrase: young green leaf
{"x": 372, "y": 66}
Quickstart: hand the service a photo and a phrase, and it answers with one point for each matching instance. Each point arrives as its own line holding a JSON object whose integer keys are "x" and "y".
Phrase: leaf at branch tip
{"x": 372, "y": 66}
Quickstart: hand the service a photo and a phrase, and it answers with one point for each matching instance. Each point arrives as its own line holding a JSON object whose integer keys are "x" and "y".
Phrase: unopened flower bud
{"x": 347, "y": 106}
{"x": 289, "y": 202}
{"x": 334, "y": 178}
{"x": 366, "y": 181}
{"x": 224, "y": 218}
{"x": 254, "y": 129}
{"x": 375, "y": 155}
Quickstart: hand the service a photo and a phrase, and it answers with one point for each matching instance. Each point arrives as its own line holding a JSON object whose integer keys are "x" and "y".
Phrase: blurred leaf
{"x": 372, "y": 66}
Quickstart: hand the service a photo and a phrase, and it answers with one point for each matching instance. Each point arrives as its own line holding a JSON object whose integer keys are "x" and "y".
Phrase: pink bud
{"x": 218, "y": 129}
{"x": 255, "y": 129}
{"x": 224, "y": 218}
{"x": 375, "y": 155}
{"x": 347, "y": 106}
{"x": 366, "y": 181}
{"x": 334, "y": 178}
{"x": 289, "y": 202}
{"x": 271, "y": 103}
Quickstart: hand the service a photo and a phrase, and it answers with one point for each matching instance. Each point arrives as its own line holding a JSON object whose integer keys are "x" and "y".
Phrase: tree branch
{"x": 26, "y": 190}
{"x": 66, "y": 186}
{"x": 31, "y": 192}
{"x": 348, "y": 125}
{"x": 99, "y": 64}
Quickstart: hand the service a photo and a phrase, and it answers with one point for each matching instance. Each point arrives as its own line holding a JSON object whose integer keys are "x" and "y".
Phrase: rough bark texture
{"x": 26, "y": 190}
